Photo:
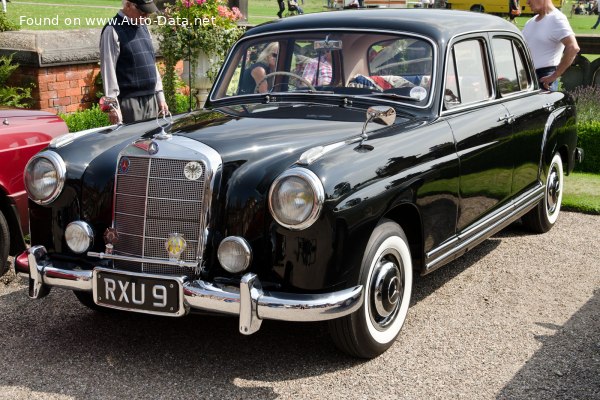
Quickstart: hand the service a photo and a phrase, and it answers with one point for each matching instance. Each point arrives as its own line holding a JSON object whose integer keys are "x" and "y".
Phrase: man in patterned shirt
{"x": 318, "y": 70}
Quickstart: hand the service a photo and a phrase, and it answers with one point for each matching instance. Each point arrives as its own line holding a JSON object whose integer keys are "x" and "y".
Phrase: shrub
{"x": 6, "y": 24}
{"x": 11, "y": 96}
{"x": 86, "y": 119}
{"x": 589, "y": 140}
{"x": 587, "y": 100}
{"x": 183, "y": 103}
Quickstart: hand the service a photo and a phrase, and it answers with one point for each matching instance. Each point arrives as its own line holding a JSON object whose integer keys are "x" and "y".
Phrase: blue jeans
{"x": 541, "y": 72}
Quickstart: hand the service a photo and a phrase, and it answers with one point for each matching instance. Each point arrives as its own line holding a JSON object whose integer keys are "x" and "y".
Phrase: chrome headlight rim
{"x": 318, "y": 197}
{"x": 61, "y": 173}
{"x": 86, "y": 229}
{"x": 244, "y": 245}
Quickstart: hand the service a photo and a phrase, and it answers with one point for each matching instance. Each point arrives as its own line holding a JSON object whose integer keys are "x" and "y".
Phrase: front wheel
{"x": 386, "y": 275}
{"x": 542, "y": 218}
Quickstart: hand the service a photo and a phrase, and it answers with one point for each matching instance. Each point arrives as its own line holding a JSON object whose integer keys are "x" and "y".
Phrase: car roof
{"x": 439, "y": 24}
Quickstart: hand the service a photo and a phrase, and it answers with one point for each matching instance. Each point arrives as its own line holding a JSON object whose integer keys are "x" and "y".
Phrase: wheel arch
{"x": 14, "y": 226}
{"x": 560, "y": 136}
{"x": 408, "y": 217}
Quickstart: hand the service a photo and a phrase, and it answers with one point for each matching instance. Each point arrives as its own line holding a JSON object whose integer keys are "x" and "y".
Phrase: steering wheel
{"x": 284, "y": 73}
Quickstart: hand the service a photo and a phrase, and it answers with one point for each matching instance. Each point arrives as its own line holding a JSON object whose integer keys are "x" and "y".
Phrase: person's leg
{"x": 140, "y": 108}
{"x": 597, "y": 22}
{"x": 4, "y": 5}
{"x": 281, "y": 8}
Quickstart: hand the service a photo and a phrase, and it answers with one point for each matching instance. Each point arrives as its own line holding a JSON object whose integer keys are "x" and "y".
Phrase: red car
{"x": 22, "y": 134}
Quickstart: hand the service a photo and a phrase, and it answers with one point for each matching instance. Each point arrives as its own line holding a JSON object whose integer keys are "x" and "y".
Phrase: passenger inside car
{"x": 254, "y": 79}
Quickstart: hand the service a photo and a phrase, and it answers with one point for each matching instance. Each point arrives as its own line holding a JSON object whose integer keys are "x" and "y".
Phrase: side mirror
{"x": 380, "y": 114}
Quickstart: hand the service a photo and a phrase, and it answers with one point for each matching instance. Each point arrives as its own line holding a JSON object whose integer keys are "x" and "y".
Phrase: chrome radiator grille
{"x": 154, "y": 199}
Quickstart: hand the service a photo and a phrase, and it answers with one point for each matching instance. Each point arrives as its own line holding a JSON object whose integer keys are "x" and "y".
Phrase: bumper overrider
{"x": 249, "y": 300}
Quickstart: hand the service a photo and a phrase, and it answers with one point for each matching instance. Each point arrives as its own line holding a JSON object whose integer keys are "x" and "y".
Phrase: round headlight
{"x": 234, "y": 254}
{"x": 296, "y": 198}
{"x": 79, "y": 236}
{"x": 45, "y": 177}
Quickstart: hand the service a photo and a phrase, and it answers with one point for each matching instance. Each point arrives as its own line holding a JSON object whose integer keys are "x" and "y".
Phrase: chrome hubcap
{"x": 553, "y": 190}
{"x": 387, "y": 289}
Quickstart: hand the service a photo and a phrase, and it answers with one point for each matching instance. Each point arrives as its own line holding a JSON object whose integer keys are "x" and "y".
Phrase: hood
{"x": 271, "y": 131}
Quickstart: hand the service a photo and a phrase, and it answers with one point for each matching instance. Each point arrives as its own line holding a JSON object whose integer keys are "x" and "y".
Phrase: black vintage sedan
{"x": 339, "y": 155}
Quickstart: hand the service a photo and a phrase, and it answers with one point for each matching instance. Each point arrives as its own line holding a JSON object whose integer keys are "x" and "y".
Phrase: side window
{"x": 466, "y": 74}
{"x": 510, "y": 69}
{"x": 525, "y": 79}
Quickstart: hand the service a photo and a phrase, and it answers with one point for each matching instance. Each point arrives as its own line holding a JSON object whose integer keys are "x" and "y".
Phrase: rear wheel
{"x": 386, "y": 275}
{"x": 477, "y": 8}
{"x": 542, "y": 218}
{"x": 4, "y": 244}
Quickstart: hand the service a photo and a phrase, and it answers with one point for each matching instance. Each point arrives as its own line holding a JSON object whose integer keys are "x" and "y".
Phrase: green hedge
{"x": 589, "y": 140}
{"x": 86, "y": 119}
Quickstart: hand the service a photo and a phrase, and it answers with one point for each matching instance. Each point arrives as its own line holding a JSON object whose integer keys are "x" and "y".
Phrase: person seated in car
{"x": 253, "y": 79}
{"x": 318, "y": 70}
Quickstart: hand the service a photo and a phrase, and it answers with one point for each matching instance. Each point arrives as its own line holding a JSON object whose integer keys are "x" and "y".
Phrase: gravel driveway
{"x": 516, "y": 318}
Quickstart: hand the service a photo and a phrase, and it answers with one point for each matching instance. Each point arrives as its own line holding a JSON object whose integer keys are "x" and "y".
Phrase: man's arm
{"x": 569, "y": 54}
{"x": 160, "y": 95}
{"x": 109, "y": 53}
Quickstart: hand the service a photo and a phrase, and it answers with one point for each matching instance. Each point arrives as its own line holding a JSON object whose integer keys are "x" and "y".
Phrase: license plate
{"x": 151, "y": 294}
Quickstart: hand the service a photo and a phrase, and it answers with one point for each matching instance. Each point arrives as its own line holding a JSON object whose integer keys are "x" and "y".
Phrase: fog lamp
{"x": 79, "y": 236}
{"x": 234, "y": 254}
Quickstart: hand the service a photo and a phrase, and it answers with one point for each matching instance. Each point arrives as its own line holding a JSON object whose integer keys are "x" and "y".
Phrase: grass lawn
{"x": 582, "y": 193}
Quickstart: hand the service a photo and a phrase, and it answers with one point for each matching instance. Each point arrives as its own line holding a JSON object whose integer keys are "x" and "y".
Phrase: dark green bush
{"x": 12, "y": 96}
{"x": 86, "y": 119}
{"x": 183, "y": 103}
{"x": 6, "y": 24}
{"x": 589, "y": 140}
{"x": 587, "y": 100}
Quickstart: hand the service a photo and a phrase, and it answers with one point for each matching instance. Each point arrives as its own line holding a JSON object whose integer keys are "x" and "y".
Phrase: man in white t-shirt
{"x": 551, "y": 41}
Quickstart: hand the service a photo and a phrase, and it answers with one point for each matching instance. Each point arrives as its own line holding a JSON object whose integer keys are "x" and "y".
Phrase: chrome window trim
{"x": 347, "y": 30}
{"x": 494, "y": 100}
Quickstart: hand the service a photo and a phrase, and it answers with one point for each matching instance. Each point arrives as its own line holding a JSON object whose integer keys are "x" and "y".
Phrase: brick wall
{"x": 60, "y": 89}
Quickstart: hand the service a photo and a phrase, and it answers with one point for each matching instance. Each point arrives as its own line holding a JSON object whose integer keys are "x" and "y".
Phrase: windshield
{"x": 392, "y": 67}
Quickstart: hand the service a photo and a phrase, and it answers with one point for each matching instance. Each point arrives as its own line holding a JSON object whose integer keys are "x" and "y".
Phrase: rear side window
{"x": 511, "y": 75}
{"x": 466, "y": 80}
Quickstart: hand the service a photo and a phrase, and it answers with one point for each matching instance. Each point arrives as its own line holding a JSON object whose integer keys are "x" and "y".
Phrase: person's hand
{"x": 114, "y": 116}
{"x": 547, "y": 81}
{"x": 163, "y": 108}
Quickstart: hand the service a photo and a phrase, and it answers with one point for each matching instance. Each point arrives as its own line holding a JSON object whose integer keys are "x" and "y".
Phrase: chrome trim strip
{"x": 105, "y": 256}
{"x": 249, "y": 301}
{"x": 68, "y": 138}
{"x": 480, "y": 231}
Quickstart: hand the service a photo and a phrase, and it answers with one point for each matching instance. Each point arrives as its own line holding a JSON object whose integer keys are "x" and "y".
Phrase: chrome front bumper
{"x": 249, "y": 300}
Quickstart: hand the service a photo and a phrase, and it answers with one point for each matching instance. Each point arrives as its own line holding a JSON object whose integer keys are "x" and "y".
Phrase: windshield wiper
{"x": 393, "y": 96}
{"x": 304, "y": 91}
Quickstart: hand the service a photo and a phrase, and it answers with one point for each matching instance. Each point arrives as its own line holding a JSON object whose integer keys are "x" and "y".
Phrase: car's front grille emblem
{"x": 192, "y": 170}
{"x": 124, "y": 165}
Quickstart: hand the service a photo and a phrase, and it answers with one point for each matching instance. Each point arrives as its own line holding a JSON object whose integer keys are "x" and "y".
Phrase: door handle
{"x": 549, "y": 107}
{"x": 508, "y": 118}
